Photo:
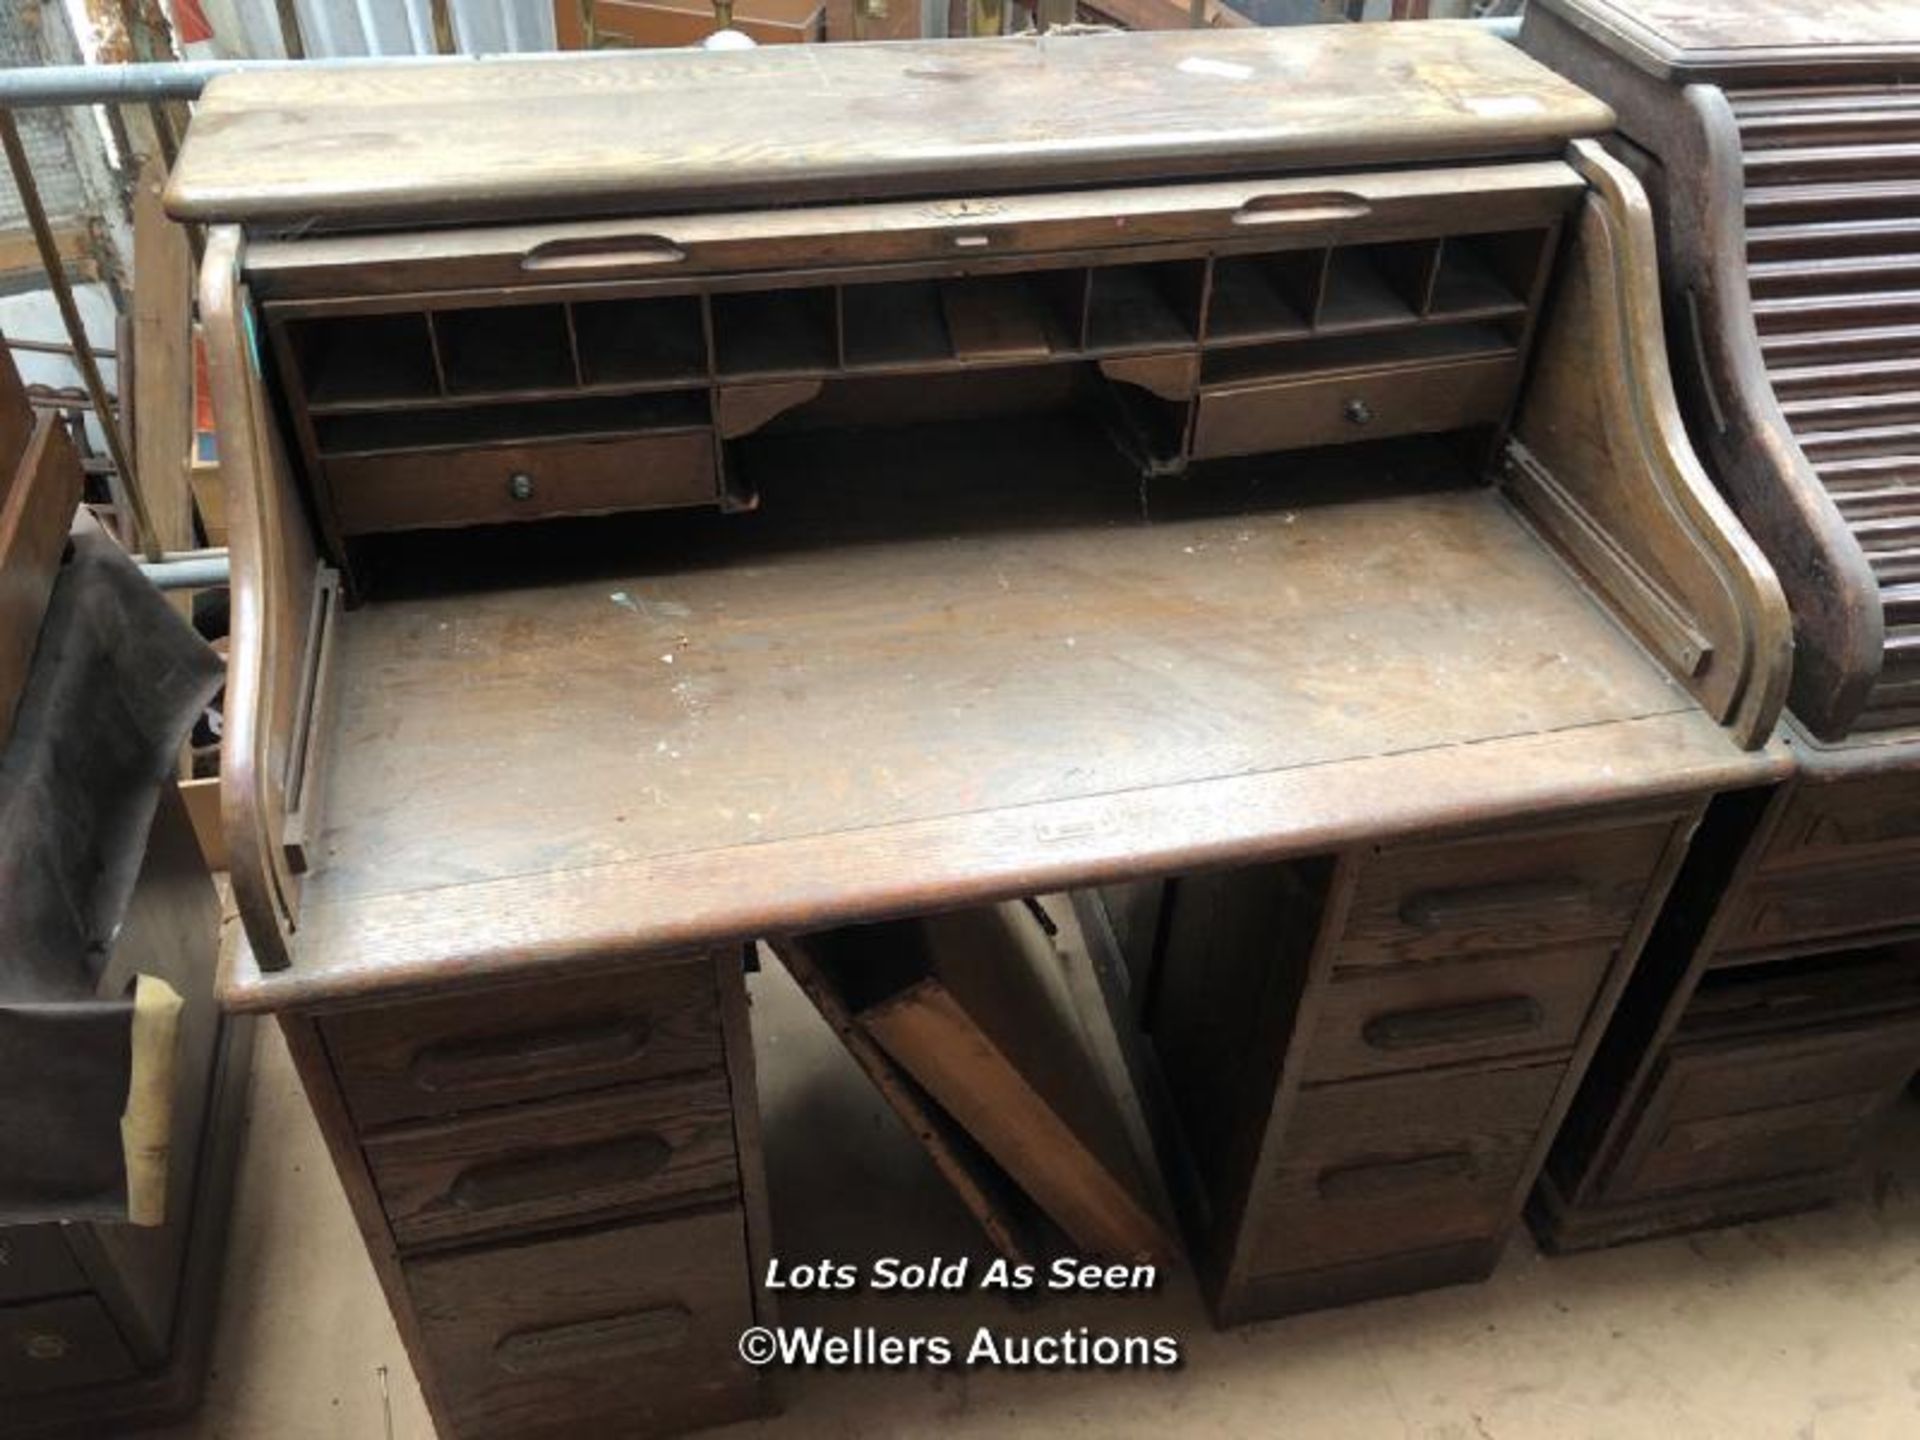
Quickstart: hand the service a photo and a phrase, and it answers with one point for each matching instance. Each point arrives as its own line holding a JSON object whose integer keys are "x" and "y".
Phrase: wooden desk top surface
{"x": 1748, "y": 40}
{"x": 651, "y": 130}
{"x": 908, "y": 686}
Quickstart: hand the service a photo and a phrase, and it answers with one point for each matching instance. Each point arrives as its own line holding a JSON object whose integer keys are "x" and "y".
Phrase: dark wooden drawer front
{"x": 1379, "y": 1167}
{"x": 431, "y": 489}
{"x": 1246, "y": 419}
{"x": 35, "y": 1262}
{"x": 1726, "y": 1112}
{"x": 53, "y": 1344}
{"x": 1372, "y": 1023}
{"x": 1831, "y": 822}
{"x": 627, "y": 1332}
{"x": 1857, "y": 902}
{"x": 531, "y": 1165}
{"x": 1518, "y": 892}
{"x": 493, "y": 1047}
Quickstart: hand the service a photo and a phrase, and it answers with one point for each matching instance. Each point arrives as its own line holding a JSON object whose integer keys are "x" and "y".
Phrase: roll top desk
{"x": 1777, "y": 1009}
{"x": 1233, "y": 477}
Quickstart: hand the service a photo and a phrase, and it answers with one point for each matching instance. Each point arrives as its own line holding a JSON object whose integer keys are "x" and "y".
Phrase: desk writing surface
{"x": 352, "y": 148}
{"x": 914, "y": 680}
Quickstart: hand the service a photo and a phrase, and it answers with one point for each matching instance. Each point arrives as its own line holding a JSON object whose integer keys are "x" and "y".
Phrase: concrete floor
{"x": 1805, "y": 1328}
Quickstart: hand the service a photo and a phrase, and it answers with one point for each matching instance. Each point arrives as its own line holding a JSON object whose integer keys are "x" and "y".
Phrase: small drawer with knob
{"x": 431, "y": 489}
{"x": 626, "y": 1150}
{"x": 1333, "y": 407}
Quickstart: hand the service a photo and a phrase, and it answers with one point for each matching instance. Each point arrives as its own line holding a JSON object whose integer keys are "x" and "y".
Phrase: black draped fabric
{"x": 117, "y": 680}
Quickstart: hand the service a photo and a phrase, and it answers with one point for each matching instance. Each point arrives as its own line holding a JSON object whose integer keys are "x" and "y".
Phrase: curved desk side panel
{"x": 1600, "y": 460}
{"x": 1688, "y": 152}
{"x": 282, "y": 606}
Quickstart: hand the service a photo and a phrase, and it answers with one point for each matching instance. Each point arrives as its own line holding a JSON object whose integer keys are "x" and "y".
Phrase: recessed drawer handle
{"x": 569, "y": 1171}
{"x": 509, "y": 1058}
{"x": 1452, "y": 1024}
{"x": 1442, "y": 909}
{"x": 588, "y": 1342}
{"x": 1388, "y": 1179}
{"x": 1327, "y": 207}
{"x": 607, "y": 252}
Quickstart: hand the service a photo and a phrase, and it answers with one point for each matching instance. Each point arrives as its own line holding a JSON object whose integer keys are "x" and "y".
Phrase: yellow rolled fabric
{"x": 146, "y": 1127}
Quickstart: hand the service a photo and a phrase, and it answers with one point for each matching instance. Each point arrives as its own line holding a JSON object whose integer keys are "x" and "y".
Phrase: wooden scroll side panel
{"x": 282, "y": 601}
{"x": 1601, "y": 461}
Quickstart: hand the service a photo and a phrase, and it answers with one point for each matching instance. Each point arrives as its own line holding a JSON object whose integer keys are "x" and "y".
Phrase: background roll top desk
{"x": 1246, "y": 458}
{"x": 1775, "y": 1015}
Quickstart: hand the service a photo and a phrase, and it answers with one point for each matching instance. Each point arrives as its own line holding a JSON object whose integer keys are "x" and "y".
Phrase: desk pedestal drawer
{"x": 35, "y": 1261}
{"x": 1738, "y": 1111}
{"x": 522, "y": 1166}
{"x": 1828, "y": 821}
{"x": 1374, "y": 1023}
{"x": 432, "y": 489}
{"x": 1853, "y": 903}
{"x": 1512, "y": 892}
{"x": 496, "y": 1047}
{"x": 627, "y": 1332}
{"x": 1378, "y": 1167}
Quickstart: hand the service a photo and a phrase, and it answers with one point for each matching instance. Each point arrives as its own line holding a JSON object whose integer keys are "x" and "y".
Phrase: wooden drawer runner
{"x": 1515, "y": 892}
{"x": 500, "y": 1046}
{"x": 1833, "y": 822}
{"x": 432, "y": 489}
{"x": 1757, "y": 1108}
{"x": 53, "y": 1344}
{"x": 529, "y": 1165}
{"x": 1252, "y": 417}
{"x": 1380, "y": 1167}
{"x": 627, "y": 1332}
{"x": 1376, "y": 1022}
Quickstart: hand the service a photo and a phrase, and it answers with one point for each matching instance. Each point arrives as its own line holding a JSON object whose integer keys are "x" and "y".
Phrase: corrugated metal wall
{"x": 405, "y": 27}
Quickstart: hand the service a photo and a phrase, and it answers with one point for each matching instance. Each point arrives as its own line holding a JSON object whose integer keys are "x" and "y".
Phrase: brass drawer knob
{"x": 1358, "y": 412}
{"x": 520, "y": 485}
{"x": 47, "y": 1345}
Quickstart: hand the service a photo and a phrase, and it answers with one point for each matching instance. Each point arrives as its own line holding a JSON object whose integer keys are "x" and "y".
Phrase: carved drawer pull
{"x": 1441, "y": 909}
{"x": 509, "y": 1058}
{"x": 591, "y": 1342}
{"x": 1453, "y": 1024}
{"x": 1390, "y": 1179}
{"x": 560, "y": 1172}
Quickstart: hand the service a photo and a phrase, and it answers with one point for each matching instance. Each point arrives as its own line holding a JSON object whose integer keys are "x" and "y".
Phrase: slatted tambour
{"x": 1833, "y": 249}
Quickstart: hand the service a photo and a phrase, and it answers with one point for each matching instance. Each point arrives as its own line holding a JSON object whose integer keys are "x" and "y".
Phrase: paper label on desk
{"x": 1503, "y": 107}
